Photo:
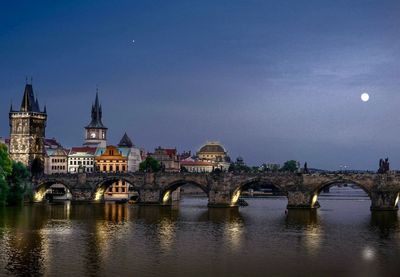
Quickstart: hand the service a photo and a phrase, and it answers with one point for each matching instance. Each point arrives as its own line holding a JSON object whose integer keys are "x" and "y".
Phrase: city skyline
{"x": 269, "y": 90}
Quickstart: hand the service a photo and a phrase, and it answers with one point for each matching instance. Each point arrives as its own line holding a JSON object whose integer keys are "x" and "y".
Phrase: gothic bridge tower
{"x": 27, "y": 130}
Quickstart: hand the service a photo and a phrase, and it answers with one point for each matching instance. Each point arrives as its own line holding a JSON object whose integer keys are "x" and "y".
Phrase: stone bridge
{"x": 223, "y": 189}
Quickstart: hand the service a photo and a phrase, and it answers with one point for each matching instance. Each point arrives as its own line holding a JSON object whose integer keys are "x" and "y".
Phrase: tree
{"x": 290, "y": 166}
{"x": 17, "y": 183}
{"x": 5, "y": 161}
{"x": 150, "y": 165}
{"x": 5, "y": 171}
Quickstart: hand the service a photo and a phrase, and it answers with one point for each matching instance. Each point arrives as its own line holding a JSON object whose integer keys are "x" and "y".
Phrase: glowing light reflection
{"x": 234, "y": 233}
{"x": 368, "y": 253}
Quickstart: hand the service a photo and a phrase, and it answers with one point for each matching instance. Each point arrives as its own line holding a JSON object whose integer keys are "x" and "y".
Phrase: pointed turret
{"x": 28, "y": 101}
{"x": 45, "y": 109}
{"x": 125, "y": 142}
{"x": 11, "y": 108}
{"x": 96, "y": 115}
{"x": 37, "y": 109}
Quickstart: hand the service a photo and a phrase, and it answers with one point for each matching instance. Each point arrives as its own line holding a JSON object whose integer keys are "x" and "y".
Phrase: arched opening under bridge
{"x": 116, "y": 189}
{"x": 340, "y": 190}
{"x": 257, "y": 188}
{"x": 186, "y": 193}
{"x": 52, "y": 191}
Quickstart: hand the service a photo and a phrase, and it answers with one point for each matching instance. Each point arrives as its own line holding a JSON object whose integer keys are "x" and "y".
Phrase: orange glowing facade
{"x": 112, "y": 160}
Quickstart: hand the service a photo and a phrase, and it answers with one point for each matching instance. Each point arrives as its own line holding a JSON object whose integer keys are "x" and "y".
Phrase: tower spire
{"x": 96, "y": 113}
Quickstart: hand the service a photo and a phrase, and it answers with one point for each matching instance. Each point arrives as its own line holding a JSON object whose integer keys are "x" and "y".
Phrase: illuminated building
{"x": 81, "y": 160}
{"x": 113, "y": 159}
{"x": 214, "y": 153}
{"x": 27, "y": 130}
{"x": 56, "y": 161}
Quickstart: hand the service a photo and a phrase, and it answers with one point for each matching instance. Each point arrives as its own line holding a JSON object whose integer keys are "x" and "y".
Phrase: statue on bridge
{"x": 383, "y": 166}
{"x": 305, "y": 169}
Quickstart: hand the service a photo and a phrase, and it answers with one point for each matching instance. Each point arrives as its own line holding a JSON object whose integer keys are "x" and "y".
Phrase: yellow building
{"x": 111, "y": 159}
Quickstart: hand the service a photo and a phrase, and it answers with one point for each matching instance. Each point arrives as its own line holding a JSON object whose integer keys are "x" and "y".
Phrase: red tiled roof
{"x": 85, "y": 149}
{"x": 170, "y": 152}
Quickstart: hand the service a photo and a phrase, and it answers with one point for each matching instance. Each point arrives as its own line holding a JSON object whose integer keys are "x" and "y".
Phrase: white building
{"x": 56, "y": 161}
{"x": 129, "y": 150}
{"x": 81, "y": 159}
{"x": 192, "y": 165}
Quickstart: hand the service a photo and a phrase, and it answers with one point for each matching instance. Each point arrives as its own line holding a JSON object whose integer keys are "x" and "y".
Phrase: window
{"x": 111, "y": 168}
{"x": 104, "y": 168}
{"x": 117, "y": 168}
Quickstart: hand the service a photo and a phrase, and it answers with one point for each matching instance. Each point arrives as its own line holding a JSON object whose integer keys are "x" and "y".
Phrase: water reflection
{"x": 221, "y": 215}
{"x": 121, "y": 240}
{"x": 307, "y": 223}
{"x": 302, "y": 219}
{"x": 385, "y": 222}
{"x": 22, "y": 243}
{"x": 116, "y": 213}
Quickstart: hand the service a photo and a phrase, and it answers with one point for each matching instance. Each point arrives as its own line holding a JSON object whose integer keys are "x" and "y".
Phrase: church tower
{"x": 96, "y": 132}
{"x": 27, "y": 130}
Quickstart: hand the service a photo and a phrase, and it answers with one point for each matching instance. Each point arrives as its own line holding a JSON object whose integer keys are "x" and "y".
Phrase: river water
{"x": 342, "y": 238}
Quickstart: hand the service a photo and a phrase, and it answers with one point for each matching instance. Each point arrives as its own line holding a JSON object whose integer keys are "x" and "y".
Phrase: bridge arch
{"x": 237, "y": 190}
{"x": 42, "y": 187}
{"x": 337, "y": 181}
{"x": 167, "y": 190}
{"x": 101, "y": 187}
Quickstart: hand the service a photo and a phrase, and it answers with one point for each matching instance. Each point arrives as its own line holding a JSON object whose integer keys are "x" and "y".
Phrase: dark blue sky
{"x": 271, "y": 80}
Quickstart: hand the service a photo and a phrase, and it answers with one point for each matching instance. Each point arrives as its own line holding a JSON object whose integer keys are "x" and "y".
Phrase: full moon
{"x": 365, "y": 97}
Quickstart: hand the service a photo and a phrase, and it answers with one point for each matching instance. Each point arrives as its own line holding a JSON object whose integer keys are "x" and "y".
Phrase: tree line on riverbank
{"x": 14, "y": 180}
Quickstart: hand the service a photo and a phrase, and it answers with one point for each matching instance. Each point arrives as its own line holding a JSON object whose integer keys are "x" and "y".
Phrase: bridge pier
{"x": 222, "y": 199}
{"x": 298, "y": 199}
{"x": 384, "y": 200}
{"x": 150, "y": 196}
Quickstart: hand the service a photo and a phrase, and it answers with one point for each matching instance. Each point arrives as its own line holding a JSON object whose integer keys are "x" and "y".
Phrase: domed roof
{"x": 214, "y": 147}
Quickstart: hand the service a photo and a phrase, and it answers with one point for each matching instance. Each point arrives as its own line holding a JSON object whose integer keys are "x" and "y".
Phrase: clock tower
{"x": 96, "y": 132}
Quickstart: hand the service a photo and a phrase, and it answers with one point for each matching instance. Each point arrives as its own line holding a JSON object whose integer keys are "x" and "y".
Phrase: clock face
{"x": 93, "y": 135}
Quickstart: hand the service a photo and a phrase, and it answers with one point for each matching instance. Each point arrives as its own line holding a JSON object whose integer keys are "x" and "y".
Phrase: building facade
{"x": 214, "y": 153}
{"x": 56, "y": 161}
{"x": 168, "y": 159}
{"x": 96, "y": 132}
{"x": 134, "y": 154}
{"x": 81, "y": 159}
{"x": 191, "y": 165}
{"x": 27, "y": 130}
{"x": 112, "y": 159}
